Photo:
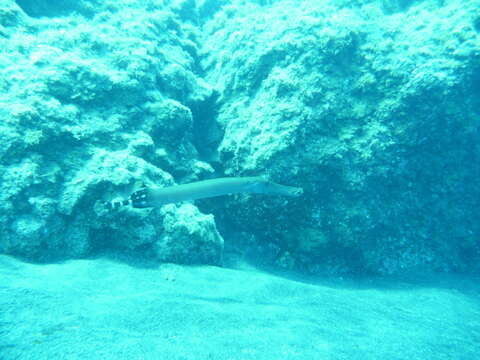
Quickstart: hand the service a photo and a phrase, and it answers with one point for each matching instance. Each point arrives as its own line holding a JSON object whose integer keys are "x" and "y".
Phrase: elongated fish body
{"x": 154, "y": 197}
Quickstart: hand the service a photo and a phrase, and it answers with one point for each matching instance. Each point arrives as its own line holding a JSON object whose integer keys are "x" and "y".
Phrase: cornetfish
{"x": 154, "y": 197}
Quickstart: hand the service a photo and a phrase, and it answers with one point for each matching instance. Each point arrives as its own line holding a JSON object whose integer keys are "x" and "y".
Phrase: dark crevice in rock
{"x": 476, "y": 24}
{"x": 209, "y": 8}
{"x": 395, "y": 6}
{"x": 207, "y": 133}
{"x": 55, "y": 8}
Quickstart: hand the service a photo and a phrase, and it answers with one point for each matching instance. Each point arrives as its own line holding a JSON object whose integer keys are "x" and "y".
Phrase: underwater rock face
{"x": 370, "y": 106}
{"x": 188, "y": 237}
{"x": 373, "y": 109}
{"x": 95, "y": 96}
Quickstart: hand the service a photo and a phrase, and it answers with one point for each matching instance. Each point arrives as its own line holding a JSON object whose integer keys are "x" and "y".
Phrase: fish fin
{"x": 140, "y": 198}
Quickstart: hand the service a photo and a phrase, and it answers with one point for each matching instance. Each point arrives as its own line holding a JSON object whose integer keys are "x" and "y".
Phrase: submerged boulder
{"x": 96, "y": 98}
{"x": 373, "y": 109}
{"x": 188, "y": 237}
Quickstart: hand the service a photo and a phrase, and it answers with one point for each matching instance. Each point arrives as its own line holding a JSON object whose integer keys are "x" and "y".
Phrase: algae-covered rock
{"x": 11, "y": 16}
{"x": 188, "y": 237}
{"x": 373, "y": 109}
{"x": 95, "y": 101}
{"x": 370, "y": 106}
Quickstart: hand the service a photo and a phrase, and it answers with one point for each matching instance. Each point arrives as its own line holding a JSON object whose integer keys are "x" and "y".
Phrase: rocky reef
{"x": 371, "y": 106}
{"x": 96, "y": 96}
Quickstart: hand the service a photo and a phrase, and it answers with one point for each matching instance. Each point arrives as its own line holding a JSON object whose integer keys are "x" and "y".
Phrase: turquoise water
{"x": 349, "y": 230}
